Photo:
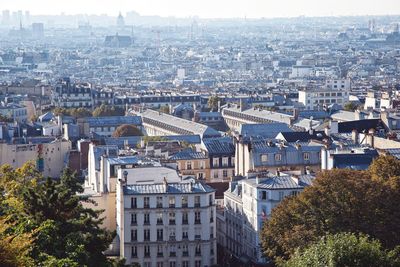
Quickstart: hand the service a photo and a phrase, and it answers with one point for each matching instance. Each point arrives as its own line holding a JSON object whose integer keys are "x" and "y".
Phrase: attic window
{"x": 264, "y": 158}
{"x": 278, "y": 157}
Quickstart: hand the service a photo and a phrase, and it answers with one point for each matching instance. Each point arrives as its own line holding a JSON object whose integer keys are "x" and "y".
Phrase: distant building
{"x": 118, "y": 41}
{"x": 318, "y": 98}
{"x": 37, "y": 30}
{"x": 68, "y": 95}
{"x": 163, "y": 220}
{"x": 120, "y": 20}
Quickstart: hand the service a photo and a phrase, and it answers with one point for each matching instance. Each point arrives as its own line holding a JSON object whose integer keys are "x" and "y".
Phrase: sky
{"x": 208, "y": 8}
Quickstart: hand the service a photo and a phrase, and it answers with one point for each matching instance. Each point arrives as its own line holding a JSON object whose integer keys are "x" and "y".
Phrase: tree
{"x": 5, "y": 118}
{"x": 165, "y": 109}
{"x": 350, "y": 106}
{"x": 386, "y": 169}
{"x": 338, "y": 201}
{"x": 213, "y": 103}
{"x": 106, "y": 111}
{"x": 73, "y": 112}
{"x": 63, "y": 232}
{"x": 126, "y": 130}
{"x": 344, "y": 249}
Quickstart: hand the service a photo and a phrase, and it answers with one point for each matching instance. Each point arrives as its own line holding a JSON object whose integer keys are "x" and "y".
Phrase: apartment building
{"x": 248, "y": 204}
{"x": 163, "y": 220}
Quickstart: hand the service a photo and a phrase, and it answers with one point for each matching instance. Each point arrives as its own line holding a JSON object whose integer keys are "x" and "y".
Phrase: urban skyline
{"x": 210, "y": 9}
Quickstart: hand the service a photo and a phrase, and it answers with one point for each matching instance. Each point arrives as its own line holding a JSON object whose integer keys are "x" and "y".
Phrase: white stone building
{"x": 164, "y": 221}
{"x": 317, "y": 98}
{"x": 248, "y": 203}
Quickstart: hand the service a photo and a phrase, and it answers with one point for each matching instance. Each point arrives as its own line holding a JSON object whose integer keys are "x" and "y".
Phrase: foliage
{"x": 126, "y": 130}
{"x": 73, "y": 112}
{"x": 213, "y": 103}
{"x": 14, "y": 247}
{"x": 338, "y": 201}
{"x": 165, "y": 109}
{"x": 344, "y": 249}
{"x": 147, "y": 139}
{"x": 5, "y": 118}
{"x": 62, "y": 231}
{"x": 386, "y": 169}
{"x": 107, "y": 111}
{"x": 350, "y": 106}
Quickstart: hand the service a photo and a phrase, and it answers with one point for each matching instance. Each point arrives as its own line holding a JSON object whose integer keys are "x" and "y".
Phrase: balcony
{"x": 171, "y": 222}
{"x": 197, "y": 237}
{"x": 160, "y": 255}
{"x": 197, "y": 205}
{"x": 172, "y": 254}
{"x": 172, "y": 205}
{"x": 197, "y": 221}
{"x": 160, "y": 222}
{"x": 185, "y": 221}
{"x": 184, "y": 205}
{"x": 198, "y": 253}
{"x": 146, "y": 223}
{"x": 147, "y": 254}
{"x": 159, "y": 205}
{"x": 146, "y": 206}
{"x": 185, "y": 253}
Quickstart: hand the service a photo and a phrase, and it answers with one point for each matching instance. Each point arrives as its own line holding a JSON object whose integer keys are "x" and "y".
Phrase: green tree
{"x": 73, "y": 112}
{"x": 344, "y": 249}
{"x": 338, "y": 201}
{"x": 213, "y": 102}
{"x": 106, "y": 111}
{"x": 350, "y": 106}
{"x": 63, "y": 232}
{"x": 126, "y": 130}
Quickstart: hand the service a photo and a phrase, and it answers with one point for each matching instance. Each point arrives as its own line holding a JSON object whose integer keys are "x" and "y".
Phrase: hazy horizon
{"x": 208, "y": 8}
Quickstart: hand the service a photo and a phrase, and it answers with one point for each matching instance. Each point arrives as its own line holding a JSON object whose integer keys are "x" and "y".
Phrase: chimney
{"x": 334, "y": 127}
{"x": 310, "y": 129}
{"x": 219, "y": 105}
{"x": 165, "y": 183}
{"x": 296, "y": 114}
{"x": 125, "y": 174}
{"x": 355, "y": 136}
{"x": 327, "y": 131}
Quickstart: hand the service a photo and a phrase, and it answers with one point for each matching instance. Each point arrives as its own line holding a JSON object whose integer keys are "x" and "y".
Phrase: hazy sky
{"x": 209, "y": 8}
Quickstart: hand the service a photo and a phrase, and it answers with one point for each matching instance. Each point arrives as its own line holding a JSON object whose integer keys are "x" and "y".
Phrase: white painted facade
{"x": 165, "y": 221}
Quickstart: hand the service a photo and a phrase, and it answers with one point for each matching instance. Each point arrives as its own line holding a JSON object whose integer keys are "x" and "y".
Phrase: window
{"x": 159, "y": 202}
{"x": 172, "y": 235}
{"x": 188, "y": 165}
{"x": 264, "y": 158}
{"x": 198, "y": 250}
{"x": 147, "y": 251}
{"x": 133, "y": 218}
{"x": 172, "y": 202}
{"x": 225, "y": 161}
{"x": 146, "y": 234}
{"x": 197, "y": 217}
{"x": 211, "y": 232}
{"x": 172, "y": 264}
{"x": 159, "y": 218}
{"x": 294, "y": 193}
{"x": 210, "y": 200}
{"x": 197, "y": 264}
{"x": 172, "y": 218}
{"x": 146, "y": 218}
{"x": 172, "y": 251}
{"x": 160, "y": 234}
{"x": 146, "y": 202}
{"x": 263, "y": 195}
{"x": 216, "y": 175}
{"x": 216, "y": 162}
{"x": 202, "y": 164}
{"x": 197, "y": 201}
{"x": 278, "y": 157}
{"x": 133, "y": 203}
{"x": 185, "y": 235}
{"x": 160, "y": 264}
{"x": 134, "y": 252}
{"x": 225, "y": 173}
{"x": 185, "y": 217}
{"x": 160, "y": 251}
{"x": 212, "y": 216}
{"x": 134, "y": 235}
{"x": 306, "y": 156}
{"x": 281, "y": 195}
{"x": 184, "y": 201}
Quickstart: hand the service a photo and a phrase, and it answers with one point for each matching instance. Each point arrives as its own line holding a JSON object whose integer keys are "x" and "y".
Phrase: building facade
{"x": 164, "y": 221}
